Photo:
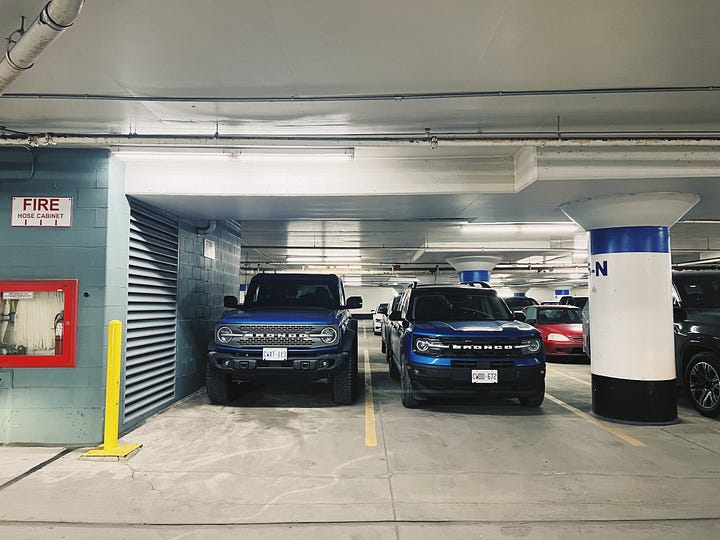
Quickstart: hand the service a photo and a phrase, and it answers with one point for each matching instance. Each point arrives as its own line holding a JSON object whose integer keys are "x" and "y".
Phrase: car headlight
{"x": 557, "y": 337}
{"x": 223, "y": 334}
{"x": 428, "y": 346}
{"x": 328, "y": 335}
{"x": 532, "y": 345}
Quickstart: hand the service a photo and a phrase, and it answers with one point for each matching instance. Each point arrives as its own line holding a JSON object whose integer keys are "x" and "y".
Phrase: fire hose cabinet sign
{"x": 41, "y": 212}
{"x": 38, "y": 323}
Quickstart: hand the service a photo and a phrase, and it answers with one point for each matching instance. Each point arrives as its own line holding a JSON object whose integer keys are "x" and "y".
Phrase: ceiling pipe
{"x": 55, "y": 17}
{"x": 212, "y": 224}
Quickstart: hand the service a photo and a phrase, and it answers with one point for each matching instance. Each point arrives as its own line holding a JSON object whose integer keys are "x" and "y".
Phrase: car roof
{"x": 456, "y": 286}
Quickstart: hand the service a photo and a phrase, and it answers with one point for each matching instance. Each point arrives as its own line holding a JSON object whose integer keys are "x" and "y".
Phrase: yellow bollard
{"x": 110, "y": 446}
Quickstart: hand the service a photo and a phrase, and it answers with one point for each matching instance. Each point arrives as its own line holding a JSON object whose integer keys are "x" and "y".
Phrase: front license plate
{"x": 274, "y": 354}
{"x": 484, "y": 376}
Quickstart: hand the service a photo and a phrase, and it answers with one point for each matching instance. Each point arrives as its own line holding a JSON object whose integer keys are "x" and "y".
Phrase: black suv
{"x": 463, "y": 339}
{"x": 293, "y": 326}
{"x": 697, "y": 337}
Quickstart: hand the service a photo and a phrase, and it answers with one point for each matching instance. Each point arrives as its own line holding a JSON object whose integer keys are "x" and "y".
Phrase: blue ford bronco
{"x": 290, "y": 326}
{"x": 462, "y": 339}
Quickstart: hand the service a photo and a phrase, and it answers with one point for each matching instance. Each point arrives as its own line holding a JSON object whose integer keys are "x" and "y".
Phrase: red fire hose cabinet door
{"x": 38, "y": 323}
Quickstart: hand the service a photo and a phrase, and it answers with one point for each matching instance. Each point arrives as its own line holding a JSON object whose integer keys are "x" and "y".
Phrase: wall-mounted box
{"x": 38, "y": 323}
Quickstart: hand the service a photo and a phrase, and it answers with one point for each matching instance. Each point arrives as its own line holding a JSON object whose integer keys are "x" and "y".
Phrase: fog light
{"x": 226, "y": 363}
{"x": 416, "y": 372}
{"x": 325, "y": 363}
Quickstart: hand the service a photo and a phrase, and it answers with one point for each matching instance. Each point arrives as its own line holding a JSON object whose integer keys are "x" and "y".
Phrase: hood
{"x": 279, "y": 315}
{"x": 567, "y": 329}
{"x": 476, "y": 328}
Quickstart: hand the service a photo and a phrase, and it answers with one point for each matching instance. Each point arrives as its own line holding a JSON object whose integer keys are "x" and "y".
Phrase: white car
{"x": 378, "y": 316}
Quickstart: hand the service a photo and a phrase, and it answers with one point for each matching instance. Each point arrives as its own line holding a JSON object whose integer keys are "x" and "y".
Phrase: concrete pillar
{"x": 630, "y": 303}
{"x": 474, "y": 268}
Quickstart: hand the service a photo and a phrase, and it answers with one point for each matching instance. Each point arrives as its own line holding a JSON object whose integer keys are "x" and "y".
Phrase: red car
{"x": 560, "y": 327}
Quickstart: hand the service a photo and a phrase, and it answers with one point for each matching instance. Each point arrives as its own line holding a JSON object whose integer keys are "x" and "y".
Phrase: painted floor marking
{"x": 559, "y": 372}
{"x": 599, "y": 423}
{"x": 370, "y": 433}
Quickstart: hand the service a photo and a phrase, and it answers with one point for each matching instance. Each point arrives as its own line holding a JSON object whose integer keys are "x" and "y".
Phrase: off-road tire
{"x": 220, "y": 388}
{"x": 702, "y": 380}
{"x": 392, "y": 368}
{"x": 534, "y": 400}
{"x": 407, "y": 393}
{"x": 343, "y": 385}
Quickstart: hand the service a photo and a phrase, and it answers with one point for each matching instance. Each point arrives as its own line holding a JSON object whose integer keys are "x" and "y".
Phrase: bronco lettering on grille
{"x": 250, "y": 336}
{"x": 483, "y": 347}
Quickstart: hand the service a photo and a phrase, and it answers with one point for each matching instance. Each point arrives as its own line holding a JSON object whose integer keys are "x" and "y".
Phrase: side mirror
{"x": 354, "y": 302}
{"x": 382, "y": 310}
{"x": 230, "y": 302}
{"x": 395, "y": 316}
{"x": 519, "y": 316}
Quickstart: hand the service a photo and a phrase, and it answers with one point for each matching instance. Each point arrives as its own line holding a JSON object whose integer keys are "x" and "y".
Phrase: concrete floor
{"x": 283, "y": 462}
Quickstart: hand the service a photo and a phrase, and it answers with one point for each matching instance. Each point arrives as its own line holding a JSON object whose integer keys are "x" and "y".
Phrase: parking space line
{"x": 558, "y": 372}
{"x": 599, "y": 423}
{"x": 370, "y": 433}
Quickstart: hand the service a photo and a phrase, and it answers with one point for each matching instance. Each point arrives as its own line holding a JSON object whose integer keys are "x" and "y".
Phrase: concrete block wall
{"x": 61, "y": 405}
{"x": 202, "y": 284}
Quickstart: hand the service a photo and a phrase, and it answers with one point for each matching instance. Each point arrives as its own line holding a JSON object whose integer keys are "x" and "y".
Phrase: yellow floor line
{"x": 370, "y": 434}
{"x": 599, "y": 423}
{"x": 558, "y": 372}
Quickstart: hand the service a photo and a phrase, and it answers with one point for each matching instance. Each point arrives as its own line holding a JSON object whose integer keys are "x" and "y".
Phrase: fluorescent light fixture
{"x": 235, "y": 154}
{"x": 293, "y": 154}
{"x": 323, "y": 260}
{"x": 158, "y": 155}
{"x": 548, "y": 227}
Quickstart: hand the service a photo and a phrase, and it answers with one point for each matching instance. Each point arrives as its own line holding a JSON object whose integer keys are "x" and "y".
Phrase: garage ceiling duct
{"x": 55, "y": 17}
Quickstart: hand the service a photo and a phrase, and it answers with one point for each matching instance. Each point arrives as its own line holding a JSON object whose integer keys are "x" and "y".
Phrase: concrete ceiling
{"x": 439, "y": 101}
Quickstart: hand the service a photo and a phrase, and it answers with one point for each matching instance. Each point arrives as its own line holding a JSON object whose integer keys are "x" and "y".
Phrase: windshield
{"x": 559, "y": 316}
{"x": 456, "y": 305}
{"x": 699, "y": 291}
{"x": 292, "y": 293}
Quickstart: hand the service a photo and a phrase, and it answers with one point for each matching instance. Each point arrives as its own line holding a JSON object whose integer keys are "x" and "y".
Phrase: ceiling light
{"x": 323, "y": 260}
{"x": 549, "y": 227}
{"x": 235, "y": 154}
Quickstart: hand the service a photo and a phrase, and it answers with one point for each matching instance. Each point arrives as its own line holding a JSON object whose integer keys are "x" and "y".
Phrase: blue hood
{"x": 489, "y": 329}
{"x": 278, "y": 315}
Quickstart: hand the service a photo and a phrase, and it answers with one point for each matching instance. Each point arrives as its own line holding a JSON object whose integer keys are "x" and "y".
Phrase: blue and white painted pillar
{"x": 474, "y": 268}
{"x": 630, "y": 303}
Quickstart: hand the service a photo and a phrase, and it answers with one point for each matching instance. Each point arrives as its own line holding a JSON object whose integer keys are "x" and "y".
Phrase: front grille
{"x": 482, "y": 364}
{"x": 256, "y": 336}
{"x": 578, "y": 339}
{"x": 481, "y": 347}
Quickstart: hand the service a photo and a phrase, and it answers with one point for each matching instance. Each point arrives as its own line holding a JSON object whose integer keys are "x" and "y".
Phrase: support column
{"x": 630, "y": 303}
{"x": 474, "y": 268}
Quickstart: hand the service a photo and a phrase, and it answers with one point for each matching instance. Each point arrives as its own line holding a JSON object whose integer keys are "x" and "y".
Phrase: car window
{"x": 559, "y": 316}
{"x": 531, "y": 313}
{"x": 699, "y": 291}
{"x": 456, "y": 305}
{"x": 292, "y": 293}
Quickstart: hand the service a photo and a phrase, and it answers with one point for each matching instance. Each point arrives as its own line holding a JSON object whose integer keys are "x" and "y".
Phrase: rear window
{"x": 699, "y": 291}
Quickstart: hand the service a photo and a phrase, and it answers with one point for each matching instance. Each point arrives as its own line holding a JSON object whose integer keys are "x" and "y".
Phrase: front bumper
{"x": 245, "y": 366}
{"x": 513, "y": 381}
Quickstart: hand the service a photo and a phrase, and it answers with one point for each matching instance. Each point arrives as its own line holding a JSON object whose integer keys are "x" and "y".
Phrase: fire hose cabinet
{"x": 38, "y": 323}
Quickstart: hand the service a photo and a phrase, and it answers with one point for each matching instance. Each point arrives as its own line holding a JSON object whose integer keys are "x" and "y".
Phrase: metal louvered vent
{"x": 150, "y": 358}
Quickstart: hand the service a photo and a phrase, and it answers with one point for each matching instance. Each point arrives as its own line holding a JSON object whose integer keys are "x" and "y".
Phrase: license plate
{"x": 484, "y": 376}
{"x": 274, "y": 354}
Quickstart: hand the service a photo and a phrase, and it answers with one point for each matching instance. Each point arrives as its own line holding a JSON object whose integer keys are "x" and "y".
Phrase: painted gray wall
{"x": 61, "y": 405}
{"x": 202, "y": 284}
{"x": 66, "y": 405}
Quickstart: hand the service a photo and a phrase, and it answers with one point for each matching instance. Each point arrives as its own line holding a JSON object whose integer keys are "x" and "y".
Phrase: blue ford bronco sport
{"x": 294, "y": 326}
{"x": 457, "y": 339}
